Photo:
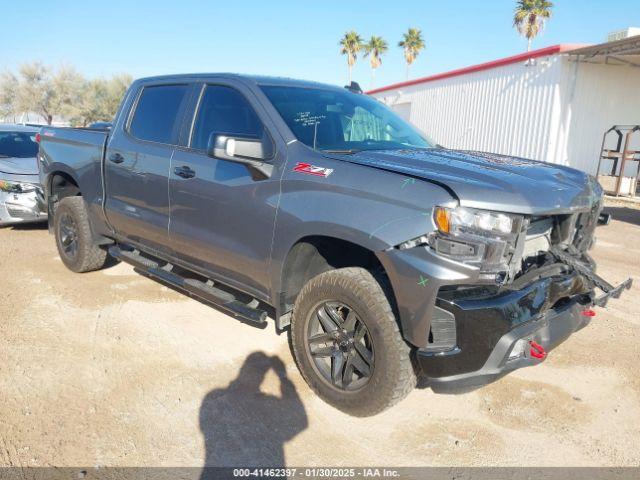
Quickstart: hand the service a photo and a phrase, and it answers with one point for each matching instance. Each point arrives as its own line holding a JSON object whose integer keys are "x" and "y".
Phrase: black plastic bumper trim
{"x": 548, "y": 331}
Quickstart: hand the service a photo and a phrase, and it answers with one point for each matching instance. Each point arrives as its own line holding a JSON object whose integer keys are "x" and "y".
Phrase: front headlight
{"x": 17, "y": 187}
{"x": 481, "y": 238}
{"x": 462, "y": 220}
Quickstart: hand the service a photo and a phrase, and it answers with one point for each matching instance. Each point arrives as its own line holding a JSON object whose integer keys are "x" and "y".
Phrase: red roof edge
{"x": 543, "y": 52}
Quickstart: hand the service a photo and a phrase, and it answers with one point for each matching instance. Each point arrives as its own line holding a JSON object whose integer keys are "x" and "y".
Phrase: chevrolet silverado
{"x": 389, "y": 257}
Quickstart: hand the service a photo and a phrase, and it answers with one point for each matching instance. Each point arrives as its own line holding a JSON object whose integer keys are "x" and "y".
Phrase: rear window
{"x": 18, "y": 145}
{"x": 156, "y": 115}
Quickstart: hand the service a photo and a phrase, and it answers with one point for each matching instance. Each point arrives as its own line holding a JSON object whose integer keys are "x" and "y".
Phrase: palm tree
{"x": 351, "y": 44}
{"x": 529, "y": 18}
{"x": 375, "y": 48}
{"x": 412, "y": 43}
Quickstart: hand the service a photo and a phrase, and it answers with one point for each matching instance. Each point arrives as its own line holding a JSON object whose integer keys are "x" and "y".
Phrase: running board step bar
{"x": 209, "y": 293}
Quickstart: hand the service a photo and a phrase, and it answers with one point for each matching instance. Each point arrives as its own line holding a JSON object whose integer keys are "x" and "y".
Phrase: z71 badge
{"x": 309, "y": 169}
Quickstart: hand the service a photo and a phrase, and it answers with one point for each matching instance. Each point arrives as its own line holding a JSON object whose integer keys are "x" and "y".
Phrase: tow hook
{"x": 589, "y": 312}
{"x": 537, "y": 350}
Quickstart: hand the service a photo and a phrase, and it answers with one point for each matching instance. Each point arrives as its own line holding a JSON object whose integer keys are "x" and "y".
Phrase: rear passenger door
{"x": 222, "y": 218}
{"x": 137, "y": 165}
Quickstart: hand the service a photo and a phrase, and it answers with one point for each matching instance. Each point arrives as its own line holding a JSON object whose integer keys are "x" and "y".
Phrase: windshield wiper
{"x": 343, "y": 152}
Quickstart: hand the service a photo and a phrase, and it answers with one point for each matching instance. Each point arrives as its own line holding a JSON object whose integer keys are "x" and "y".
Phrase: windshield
{"x": 333, "y": 120}
{"x": 18, "y": 144}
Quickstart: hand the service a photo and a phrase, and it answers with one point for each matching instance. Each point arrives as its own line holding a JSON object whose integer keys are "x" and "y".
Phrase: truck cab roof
{"x": 254, "y": 79}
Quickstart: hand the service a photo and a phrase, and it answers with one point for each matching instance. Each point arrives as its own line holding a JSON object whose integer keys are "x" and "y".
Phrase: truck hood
{"x": 491, "y": 181}
{"x": 19, "y": 166}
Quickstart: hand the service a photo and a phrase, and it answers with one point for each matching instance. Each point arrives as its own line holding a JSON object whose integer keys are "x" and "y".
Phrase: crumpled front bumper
{"x": 490, "y": 320}
{"x": 465, "y": 331}
{"x": 488, "y": 359}
{"x": 21, "y": 208}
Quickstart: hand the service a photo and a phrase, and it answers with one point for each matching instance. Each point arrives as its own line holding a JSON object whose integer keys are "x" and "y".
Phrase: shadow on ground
{"x": 28, "y": 226}
{"x": 244, "y": 426}
{"x": 623, "y": 214}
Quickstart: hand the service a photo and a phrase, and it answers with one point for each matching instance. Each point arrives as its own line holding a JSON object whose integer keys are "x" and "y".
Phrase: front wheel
{"x": 73, "y": 237}
{"x": 347, "y": 343}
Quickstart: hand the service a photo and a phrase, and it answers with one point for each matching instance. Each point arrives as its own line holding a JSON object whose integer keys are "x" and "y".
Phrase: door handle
{"x": 116, "y": 158}
{"x": 184, "y": 172}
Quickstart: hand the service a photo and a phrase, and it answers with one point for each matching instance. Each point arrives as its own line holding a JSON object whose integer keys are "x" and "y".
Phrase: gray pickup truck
{"x": 389, "y": 258}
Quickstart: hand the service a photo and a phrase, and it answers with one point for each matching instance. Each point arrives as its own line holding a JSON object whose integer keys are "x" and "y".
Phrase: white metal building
{"x": 552, "y": 104}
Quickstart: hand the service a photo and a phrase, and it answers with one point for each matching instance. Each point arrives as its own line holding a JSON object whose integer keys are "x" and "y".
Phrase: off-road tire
{"x": 88, "y": 256}
{"x": 393, "y": 374}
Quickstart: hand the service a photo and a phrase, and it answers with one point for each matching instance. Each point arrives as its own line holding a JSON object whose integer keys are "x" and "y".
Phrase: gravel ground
{"x": 111, "y": 368}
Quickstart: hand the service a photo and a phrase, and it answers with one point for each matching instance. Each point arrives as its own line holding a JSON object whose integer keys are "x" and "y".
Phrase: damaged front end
{"x": 20, "y": 201}
{"x": 487, "y": 292}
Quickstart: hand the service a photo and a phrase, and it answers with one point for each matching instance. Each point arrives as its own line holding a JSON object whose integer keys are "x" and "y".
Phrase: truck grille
{"x": 18, "y": 212}
{"x": 538, "y": 237}
{"x": 569, "y": 230}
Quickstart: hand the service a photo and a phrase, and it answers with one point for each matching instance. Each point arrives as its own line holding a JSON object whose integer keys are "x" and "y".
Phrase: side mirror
{"x": 248, "y": 151}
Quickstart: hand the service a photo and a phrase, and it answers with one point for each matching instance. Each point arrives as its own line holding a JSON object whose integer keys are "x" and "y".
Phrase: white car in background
{"x": 21, "y": 198}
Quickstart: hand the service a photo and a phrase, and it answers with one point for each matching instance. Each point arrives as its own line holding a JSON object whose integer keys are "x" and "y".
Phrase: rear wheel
{"x": 348, "y": 345}
{"x": 73, "y": 237}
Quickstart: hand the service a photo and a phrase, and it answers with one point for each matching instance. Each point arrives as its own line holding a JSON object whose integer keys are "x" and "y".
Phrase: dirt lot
{"x": 111, "y": 368}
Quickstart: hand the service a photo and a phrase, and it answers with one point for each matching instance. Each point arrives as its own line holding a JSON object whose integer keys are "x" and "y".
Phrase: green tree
{"x": 116, "y": 88}
{"x": 100, "y": 99}
{"x": 351, "y": 44}
{"x": 36, "y": 88}
{"x": 67, "y": 86}
{"x": 91, "y": 106}
{"x": 529, "y": 18}
{"x": 374, "y": 49}
{"x": 412, "y": 43}
{"x": 63, "y": 92}
{"x": 8, "y": 84}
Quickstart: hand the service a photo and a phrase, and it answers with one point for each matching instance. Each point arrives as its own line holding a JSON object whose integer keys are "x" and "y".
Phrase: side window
{"x": 224, "y": 110}
{"x": 156, "y": 115}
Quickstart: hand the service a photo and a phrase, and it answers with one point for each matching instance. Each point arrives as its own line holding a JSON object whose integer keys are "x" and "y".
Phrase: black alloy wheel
{"x": 340, "y": 346}
{"x": 68, "y": 236}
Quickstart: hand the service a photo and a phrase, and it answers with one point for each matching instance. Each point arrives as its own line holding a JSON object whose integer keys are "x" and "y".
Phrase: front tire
{"x": 348, "y": 345}
{"x": 73, "y": 237}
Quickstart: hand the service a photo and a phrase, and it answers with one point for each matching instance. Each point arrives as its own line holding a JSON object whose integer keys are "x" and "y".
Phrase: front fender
{"x": 416, "y": 276}
{"x": 368, "y": 207}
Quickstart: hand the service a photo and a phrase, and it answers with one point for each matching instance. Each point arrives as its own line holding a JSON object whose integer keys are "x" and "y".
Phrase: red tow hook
{"x": 537, "y": 350}
{"x": 587, "y": 312}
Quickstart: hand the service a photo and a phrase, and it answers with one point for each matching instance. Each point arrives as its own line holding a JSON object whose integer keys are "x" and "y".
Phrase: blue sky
{"x": 289, "y": 38}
